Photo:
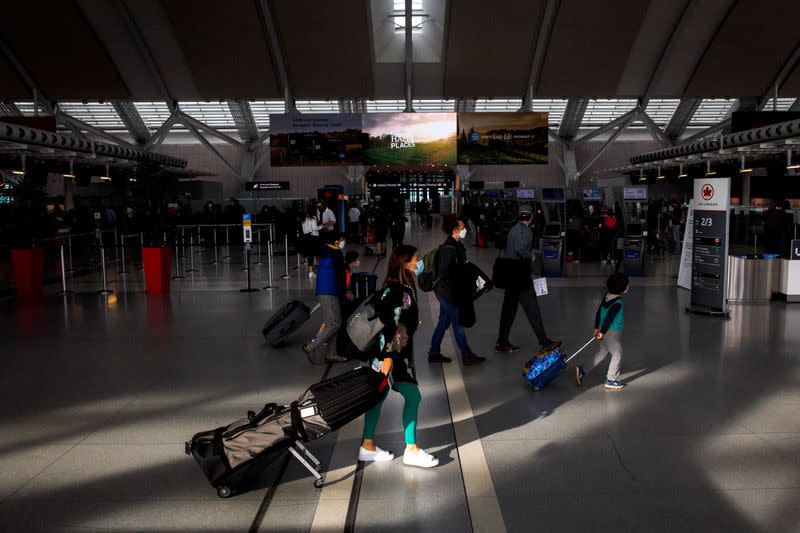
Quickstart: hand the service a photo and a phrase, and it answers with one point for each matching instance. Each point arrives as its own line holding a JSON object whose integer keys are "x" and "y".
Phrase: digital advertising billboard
{"x": 502, "y": 138}
{"x": 410, "y": 139}
{"x": 316, "y": 140}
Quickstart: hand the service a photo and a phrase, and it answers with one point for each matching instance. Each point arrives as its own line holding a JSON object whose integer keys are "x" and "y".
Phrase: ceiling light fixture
{"x": 106, "y": 177}
{"x": 641, "y": 175}
{"x": 71, "y": 172}
{"x": 22, "y": 171}
{"x": 710, "y": 172}
{"x": 681, "y": 174}
{"x": 659, "y": 176}
{"x": 789, "y": 165}
{"x": 744, "y": 169}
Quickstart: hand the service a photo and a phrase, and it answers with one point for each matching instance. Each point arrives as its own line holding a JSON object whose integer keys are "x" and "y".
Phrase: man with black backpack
{"x": 449, "y": 256}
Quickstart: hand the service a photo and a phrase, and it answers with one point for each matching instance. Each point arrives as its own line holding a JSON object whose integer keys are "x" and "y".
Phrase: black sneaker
{"x": 473, "y": 359}
{"x": 506, "y": 348}
{"x": 438, "y": 358}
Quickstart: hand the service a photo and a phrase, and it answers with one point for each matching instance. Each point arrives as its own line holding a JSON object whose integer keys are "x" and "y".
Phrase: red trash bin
{"x": 156, "y": 263}
{"x": 28, "y": 265}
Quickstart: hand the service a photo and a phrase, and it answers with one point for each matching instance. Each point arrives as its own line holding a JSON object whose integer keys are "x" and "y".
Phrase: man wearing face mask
{"x": 450, "y": 255}
{"x": 331, "y": 284}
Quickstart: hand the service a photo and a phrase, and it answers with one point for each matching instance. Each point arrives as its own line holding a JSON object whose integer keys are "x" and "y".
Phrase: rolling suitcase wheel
{"x": 319, "y": 482}
{"x": 223, "y": 491}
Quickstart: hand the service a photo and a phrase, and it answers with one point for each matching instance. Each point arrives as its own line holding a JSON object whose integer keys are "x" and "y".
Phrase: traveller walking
{"x": 331, "y": 283}
{"x": 397, "y": 308}
{"x": 518, "y": 247}
{"x": 608, "y": 324}
{"x": 449, "y": 257}
{"x": 311, "y": 244}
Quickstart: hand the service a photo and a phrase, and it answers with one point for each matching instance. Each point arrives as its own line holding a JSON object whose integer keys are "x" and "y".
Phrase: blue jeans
{"x": 448, "y": 315}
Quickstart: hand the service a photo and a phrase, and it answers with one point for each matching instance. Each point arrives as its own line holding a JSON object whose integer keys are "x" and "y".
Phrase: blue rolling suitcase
{"x": 541, "y": 371}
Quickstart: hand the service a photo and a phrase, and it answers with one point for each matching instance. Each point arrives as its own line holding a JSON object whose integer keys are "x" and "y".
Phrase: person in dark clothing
{"x": 397, "y": 222}
{"x": 380, "y": 222}
{"x": 331, "y": 284}
{"x": 450, "y": 256}
{"x": 397, "y": 308}
{"x": 518, "y": 247}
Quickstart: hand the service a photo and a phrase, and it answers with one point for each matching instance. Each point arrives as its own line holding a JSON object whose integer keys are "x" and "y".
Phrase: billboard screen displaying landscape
{"x": 409, "y": 139}
{"x": 502, "y": 138}
{"x": 316, "y": 139}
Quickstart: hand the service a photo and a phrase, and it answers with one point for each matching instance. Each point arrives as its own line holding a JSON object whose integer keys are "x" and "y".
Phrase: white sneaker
{"x": 421, "y": 459}
{"x": 378, "y": 455}
{"x": 311, "y": 275}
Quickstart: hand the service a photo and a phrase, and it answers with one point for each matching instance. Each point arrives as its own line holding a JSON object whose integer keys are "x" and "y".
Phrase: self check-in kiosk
{"x": 634, "y": 243}
{"x": 553, "y": 201}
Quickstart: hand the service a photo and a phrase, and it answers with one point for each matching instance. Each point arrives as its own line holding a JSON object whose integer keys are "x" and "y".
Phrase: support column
{"x": 69, "y": 194}
{"x": 746, "y": 188}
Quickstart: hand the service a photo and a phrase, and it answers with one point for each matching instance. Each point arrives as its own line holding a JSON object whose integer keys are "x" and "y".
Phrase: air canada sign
{"x": 707, "y": 191}
{"x": 712, "y": 194}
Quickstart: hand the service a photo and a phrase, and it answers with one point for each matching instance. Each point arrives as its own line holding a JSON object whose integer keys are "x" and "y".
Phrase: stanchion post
{"x": 199, "y": 242}
{"x": 227, "y": 243}
{"x": 116, "y": 245}
{"x": 124, "y": 271}
{"x": 269, "y": 286}
{"x": 247, "y": 263}
{"x": 191, "y": 255}
{"x": 258, "y": 247}
{"x": 178, "y": 274}
{"x": 63, "y": 274}
{"x": 285, "y": 256}
{"x": 105, "y": 289}
{"x": 69, "y": 243}
{"x": 216, "y": 258}
{"x": 141, "y": 250}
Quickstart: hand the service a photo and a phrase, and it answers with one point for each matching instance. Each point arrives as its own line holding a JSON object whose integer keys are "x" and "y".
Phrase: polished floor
{"x": 99, "y": 393}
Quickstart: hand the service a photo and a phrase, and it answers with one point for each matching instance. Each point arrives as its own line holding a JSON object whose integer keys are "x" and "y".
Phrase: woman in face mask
{"x": 396, "y": 306}
{"x": 450, "y": 255}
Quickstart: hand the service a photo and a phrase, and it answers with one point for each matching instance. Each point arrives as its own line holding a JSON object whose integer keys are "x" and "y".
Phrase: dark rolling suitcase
{"x": 542, "y": 370}
{"x": 285, "y": 321}
{"x": 363, "y": 284}
{"x": 233, "y": 456}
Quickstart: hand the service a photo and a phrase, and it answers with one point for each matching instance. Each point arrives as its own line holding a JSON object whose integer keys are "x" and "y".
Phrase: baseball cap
{"x": 525, "y": 209}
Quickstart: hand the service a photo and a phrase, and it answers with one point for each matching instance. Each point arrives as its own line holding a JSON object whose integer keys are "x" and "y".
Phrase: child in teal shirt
{"x": 608, "y": 324}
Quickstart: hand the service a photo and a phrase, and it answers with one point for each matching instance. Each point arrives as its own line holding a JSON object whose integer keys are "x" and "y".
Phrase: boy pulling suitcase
{"x": 608, "y": 324}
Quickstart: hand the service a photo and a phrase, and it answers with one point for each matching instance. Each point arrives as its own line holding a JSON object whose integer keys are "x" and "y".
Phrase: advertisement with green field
{"x": 410, "y": 139}
{"x": 502, "y": 138}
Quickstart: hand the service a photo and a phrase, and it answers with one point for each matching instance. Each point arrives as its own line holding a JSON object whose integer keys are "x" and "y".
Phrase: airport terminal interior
{"x": 554, "y": 244}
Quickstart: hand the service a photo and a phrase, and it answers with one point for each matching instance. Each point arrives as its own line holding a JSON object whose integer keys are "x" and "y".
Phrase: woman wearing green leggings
{"x": 396, "y": 305}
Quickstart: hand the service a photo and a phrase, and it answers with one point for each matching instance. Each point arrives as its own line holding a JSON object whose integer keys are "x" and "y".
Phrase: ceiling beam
{"x": 9, "y": 109}
{"x": 68, "y": 121}
{"x": 409, "y": 51}
{"x": 573, "y": 116}
{"x": 162, "y": 132}
{"x": 682, "y": 117}
{"x": 244, "y": 119}
{"x": 145, "y": 53}
{"x": 665, "y": 53}
{"x": 628, "y": 118}
{"x": 539, "y": 53}
{"x": 712, "y": 130}
{"x": 774, "y": 87}
{"x": 39, "y": 97}
{"x": 264, "y": 9}
{"x": 211, "y": 148}
{"x": 653, "y": 128}
{"x": 190, "y": 121}
{"x": 622, "y": 119}
{"x": 133, "y": 120}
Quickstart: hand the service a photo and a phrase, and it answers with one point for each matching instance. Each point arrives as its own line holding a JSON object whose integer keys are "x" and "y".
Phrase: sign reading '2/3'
{"x": 710, "y": 244}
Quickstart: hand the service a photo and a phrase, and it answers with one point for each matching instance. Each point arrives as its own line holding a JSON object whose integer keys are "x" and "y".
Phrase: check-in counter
{"x": 753, "y": 278}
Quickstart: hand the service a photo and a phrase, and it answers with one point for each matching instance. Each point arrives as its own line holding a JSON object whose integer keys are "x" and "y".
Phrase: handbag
{"x": 510, "y": 273}
{"x": 364, "y": 325}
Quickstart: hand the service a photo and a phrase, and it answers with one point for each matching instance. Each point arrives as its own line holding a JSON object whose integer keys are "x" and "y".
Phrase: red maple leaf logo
{"x": 707, "y": 191}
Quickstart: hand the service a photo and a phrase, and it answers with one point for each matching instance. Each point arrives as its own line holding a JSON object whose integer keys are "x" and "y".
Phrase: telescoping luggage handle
{"x": 581, "y": 349}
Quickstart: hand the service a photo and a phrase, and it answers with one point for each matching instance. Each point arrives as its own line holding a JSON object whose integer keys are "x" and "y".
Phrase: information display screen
{"x": 552, "y": 194}
{"x": 525, "y": 194}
